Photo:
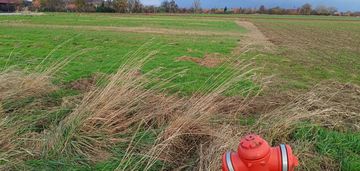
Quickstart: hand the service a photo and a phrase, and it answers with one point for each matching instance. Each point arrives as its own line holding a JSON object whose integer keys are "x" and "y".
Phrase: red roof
{"x": 9, "y": 1}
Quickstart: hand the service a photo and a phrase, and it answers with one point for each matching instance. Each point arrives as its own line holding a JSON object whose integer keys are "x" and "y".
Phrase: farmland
{"x": 152, "y": 92}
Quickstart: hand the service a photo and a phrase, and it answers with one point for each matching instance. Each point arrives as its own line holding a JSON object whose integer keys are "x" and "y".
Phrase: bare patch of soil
{"x": 209, "y": 60}
{"x": 84, "y": 84}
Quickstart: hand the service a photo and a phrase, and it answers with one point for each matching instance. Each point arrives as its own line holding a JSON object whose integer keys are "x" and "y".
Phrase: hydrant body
{"x": 255, "y": 154}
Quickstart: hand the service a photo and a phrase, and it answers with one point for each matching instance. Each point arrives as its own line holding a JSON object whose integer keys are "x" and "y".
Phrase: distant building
{"x": 9, "y": 5}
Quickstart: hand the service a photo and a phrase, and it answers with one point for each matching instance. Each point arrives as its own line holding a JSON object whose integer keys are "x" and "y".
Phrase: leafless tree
{"x": 306, "y": 9}
{"x": 262, "y": 9}
{"x": 196, "y": 6}
{"x": 120, "y": 5}
{"x": 135, "y": 6}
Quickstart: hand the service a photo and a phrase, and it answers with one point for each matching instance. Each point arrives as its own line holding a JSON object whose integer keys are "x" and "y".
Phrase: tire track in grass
{"x": 149, "y": 30}
{"x": 253, "y": 39}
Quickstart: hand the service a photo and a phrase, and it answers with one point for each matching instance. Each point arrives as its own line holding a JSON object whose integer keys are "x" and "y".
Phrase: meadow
{"x": 165, "y": 92}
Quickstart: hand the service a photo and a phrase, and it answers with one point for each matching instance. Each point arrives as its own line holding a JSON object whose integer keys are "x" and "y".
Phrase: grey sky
{"x": 341, "y": 5}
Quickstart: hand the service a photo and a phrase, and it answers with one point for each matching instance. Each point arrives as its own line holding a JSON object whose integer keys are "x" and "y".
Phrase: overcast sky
{"x": 341, "y": 5}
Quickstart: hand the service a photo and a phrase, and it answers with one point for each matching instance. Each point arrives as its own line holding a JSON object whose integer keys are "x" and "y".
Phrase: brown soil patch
{"x": 254, "y": 38}
{"x": 209, "y": 60}
{"x": 84, "y": 84}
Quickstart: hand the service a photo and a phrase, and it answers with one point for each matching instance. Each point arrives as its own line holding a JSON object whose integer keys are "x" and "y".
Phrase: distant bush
{"x": 105, "y": 9}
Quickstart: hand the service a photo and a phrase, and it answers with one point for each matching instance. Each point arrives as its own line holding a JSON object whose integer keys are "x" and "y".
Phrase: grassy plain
{"x": 104, "y": 51}
{"x": 306, "y": 51}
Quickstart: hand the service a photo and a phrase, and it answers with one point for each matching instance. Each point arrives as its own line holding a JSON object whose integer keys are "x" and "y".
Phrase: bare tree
{"x": 306, "y": 9}
{"x": 165, "y": 6}
{"x": 196, "y": 6}
{"x": 173, "y": 6}
{"x": 262, "y": 9}
{"x": 322, "y": 10}
{"x": 332, "y": 10}
{"x": 135, "y": 6}
{"x": 138, "y": 6}
{"x": 120, "y": 5}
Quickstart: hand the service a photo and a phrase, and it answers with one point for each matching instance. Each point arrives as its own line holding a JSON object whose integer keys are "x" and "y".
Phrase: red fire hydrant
{"x": 255, "y": 154}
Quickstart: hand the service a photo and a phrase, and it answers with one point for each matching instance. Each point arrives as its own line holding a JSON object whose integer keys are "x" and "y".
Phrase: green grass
{"x": 177, "y": 22}
{"x": 333, "y": 53}
{"x": 104, "y": 52}
{"x": 36, "y": 48}
{"x": 142, "y": 139}
{"x": 342, "y": 146}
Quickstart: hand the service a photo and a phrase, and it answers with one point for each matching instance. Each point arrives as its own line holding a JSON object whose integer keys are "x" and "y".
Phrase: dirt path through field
{"x": 253, "y": 39}
{"x": 151, "y": 30}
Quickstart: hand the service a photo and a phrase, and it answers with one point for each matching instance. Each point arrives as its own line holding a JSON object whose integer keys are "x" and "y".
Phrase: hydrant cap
{"x": 253, "y": 147}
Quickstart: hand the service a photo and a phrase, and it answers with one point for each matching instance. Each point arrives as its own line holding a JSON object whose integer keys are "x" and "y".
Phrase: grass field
{"x": 99, "y": 47}
{"x": 160, "y": 92}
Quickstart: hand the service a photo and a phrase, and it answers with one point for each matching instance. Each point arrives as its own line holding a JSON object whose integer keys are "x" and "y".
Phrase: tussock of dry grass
{"x": 103, "y": 113}
{"x": 17, "y": 84}
{"x": 225, "y": 138}
{"x": 17, "y": 143}
{"x": 329, "y": 104}
{"x": 196, "y": 139}
{"x": 190, "y": 132}
{"x": 113, "y": 110}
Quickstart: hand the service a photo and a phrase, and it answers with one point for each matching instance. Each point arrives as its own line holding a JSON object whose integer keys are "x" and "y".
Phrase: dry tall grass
{"x": 109, "y": 111}
{"x": 191, "y": 134}
{"x": 15, "y": 86}
{"x": 18, "y": 84}
{"x": 328, "y": 104}
{"x": 18, "y": 142}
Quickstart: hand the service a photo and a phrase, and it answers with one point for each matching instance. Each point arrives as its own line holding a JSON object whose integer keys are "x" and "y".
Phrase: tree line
{"x": 170, "y": 6}
{"x": 119, "y": 6}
